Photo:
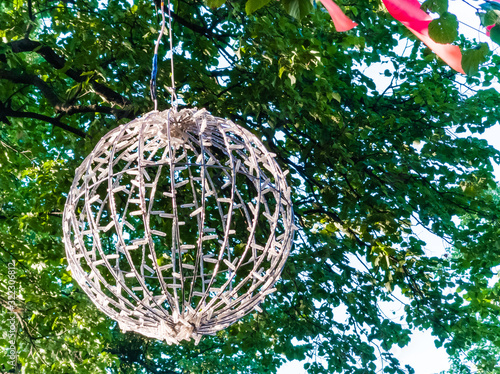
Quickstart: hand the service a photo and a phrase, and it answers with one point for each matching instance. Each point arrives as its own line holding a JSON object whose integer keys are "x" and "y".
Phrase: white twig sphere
{"x": 178, "y": 224}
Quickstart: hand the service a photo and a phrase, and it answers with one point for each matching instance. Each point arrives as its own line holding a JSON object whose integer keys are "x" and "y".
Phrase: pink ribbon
{"x": 408, "y": 12}
{"x": 340, "y": 20}
{"x": 488, "y": 28}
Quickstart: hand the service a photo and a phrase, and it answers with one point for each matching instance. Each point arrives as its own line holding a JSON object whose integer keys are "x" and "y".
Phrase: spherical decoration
{"x": 178, "y": 224}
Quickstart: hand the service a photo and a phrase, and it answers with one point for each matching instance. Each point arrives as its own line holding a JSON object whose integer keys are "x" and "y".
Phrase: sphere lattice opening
{"x": 178, "y": 224}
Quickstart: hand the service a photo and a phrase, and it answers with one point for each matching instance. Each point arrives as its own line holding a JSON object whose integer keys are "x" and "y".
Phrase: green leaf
{"x": 281, "y": 71}
{"x": 297, "y": 8}
{"x": 253, "y": 5}
{"x": 215, "y": 3}
{"x": 54, "y": 323}
{"x": 435, "y": 6}
{"x": 444, "y": 29}
{"x": 495, "y": 34}
{"x": 489, "y": 18}
{"x": 472, "y": 58}
{"x": 18, "y": 4}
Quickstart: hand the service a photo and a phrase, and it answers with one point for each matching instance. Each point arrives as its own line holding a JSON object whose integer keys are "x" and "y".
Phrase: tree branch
{"x": 199, "y": 29}
{"x": 118, "y": 113}
{"x": 5, "y": 111}
{"x": 31, "y": 79}
{"x": 31, "y": 19}
{"x": 59, "y": 106}
{"x": 58, "y": 62}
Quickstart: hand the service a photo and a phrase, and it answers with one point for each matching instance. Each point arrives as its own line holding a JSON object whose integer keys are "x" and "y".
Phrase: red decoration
{"x": 488, "y": 28}
{"x": 408, "y": 12}
{"x": 340, "y": 20}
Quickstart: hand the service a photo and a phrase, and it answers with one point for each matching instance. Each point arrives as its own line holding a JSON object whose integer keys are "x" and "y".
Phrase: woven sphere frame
{"x": 178, "y": 224}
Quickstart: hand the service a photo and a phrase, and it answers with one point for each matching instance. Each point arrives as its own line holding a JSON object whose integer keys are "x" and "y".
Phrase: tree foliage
{"x": 371, "y": 164}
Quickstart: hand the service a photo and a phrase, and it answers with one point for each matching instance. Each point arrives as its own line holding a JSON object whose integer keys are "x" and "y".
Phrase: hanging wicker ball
{"x": 178, "y": 224}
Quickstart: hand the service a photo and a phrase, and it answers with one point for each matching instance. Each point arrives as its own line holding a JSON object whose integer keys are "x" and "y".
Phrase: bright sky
{"x": 421, "y": 353}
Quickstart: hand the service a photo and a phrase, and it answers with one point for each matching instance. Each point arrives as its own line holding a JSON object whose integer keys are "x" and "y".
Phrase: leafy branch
{"x": 58, "y": 62}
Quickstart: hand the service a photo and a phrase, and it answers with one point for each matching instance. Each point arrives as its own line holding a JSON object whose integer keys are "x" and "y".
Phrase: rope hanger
{"x": 154, "y": 70}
